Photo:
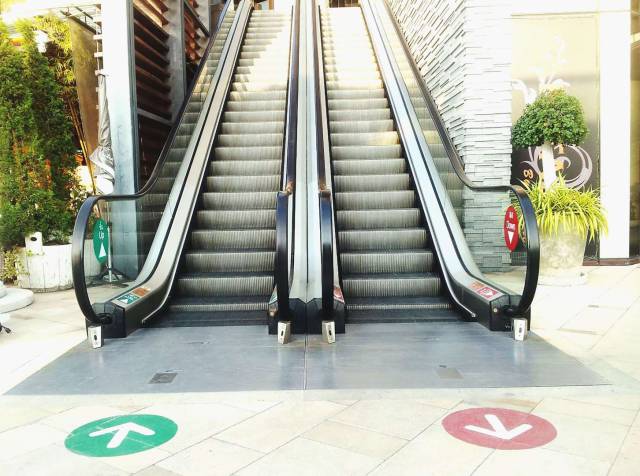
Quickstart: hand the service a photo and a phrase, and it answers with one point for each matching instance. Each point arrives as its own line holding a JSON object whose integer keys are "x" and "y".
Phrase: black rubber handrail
{"x": 282, "y": 264}
{"x": 325, "y": 197}
{"x": 528, "y": 213}
{"x": 86, "y": 210}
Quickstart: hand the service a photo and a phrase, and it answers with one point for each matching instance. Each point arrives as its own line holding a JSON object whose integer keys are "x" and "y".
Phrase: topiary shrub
{"x": 37, "y": 165}
{"x": 554, "y": 117}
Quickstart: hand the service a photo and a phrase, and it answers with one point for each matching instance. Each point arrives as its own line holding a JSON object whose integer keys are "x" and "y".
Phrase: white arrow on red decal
{"x": 498, "y": 430}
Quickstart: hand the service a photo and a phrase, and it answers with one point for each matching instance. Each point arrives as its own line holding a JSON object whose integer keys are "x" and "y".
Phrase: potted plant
{"x": 39, "y": 188}
{"x": 566, "y": 218}
{"x": 554, "y": 118}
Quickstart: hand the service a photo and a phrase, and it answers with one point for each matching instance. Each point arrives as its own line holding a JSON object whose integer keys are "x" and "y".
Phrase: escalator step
{"x": 229, "y": 261}
{"x": 242, "y": 141}
{"x": 375, "y": 200}
{"x": 233, "y": 239}
{"x": 245, "y": 167}
{"x": 262, "y": 105}
{"x": 371, "y": 183}
{"x": 350, "y": 152}
{"x": 358, "y": 127}
{"x": 254, "y": 116}
{"x": 249, "y": 153}
{"x": 384, "y": 239}
{"x": 360, "y": 115}
{"x": 245, "y": 183}
{"x": 376, "y": 219}
{"x": 225, "y": 284}
{"x": 239, "y": 201}
{"x": 253, "y": 127}
{"x": 235, "y": 219}
{"x": 405, "y": 261}
{"x": 392, "y": 285}
{"x": 355, "y": 167}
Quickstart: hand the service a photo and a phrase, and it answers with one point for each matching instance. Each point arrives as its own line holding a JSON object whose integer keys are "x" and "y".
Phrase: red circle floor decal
{"x": 499, "y": 428}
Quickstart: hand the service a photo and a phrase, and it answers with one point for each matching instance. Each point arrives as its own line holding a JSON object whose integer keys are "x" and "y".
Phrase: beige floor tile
{"x": 538, "y": 462}
{"x": 302, "y": 457}
{"x": 594, "y": 319}
{"x": 137, "y": 461}
{"x": 13, "y": 415}
{"x": 274, "y": 427}
{"x": 196, "y": 422}
{"x": 71, "y": 419}
{"x": 400, "y": 418}
{"x": 626, "y": 401}
{"x": 354, "y": 439}
{"x": 18, "y": 441}
{"x": 587, "y": 410}
{"x": 512, "y": 403}
{"x": 435, "y": 453}
{"x": 156, "y": 470}
{"x": 211, "y": 457}
{"x": 592, "y": 439}
{"x": 55, "y": 460}
{"x": 446, "y": 403}
{"x": 628, "y": 460}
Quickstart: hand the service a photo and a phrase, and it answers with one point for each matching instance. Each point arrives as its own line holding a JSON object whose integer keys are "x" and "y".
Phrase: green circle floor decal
{"x": 121, "y": 435}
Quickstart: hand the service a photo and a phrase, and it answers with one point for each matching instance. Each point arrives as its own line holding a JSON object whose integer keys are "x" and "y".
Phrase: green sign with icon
{"x": 101, "y": 240}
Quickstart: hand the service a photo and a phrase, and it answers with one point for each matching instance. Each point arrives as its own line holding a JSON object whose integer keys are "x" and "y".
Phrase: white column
{"x": 615, "y": 124}
{"x": 119, "y": 68}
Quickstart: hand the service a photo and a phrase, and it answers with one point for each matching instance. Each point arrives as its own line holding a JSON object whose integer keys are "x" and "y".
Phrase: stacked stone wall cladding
{"x": 463, "y": 51}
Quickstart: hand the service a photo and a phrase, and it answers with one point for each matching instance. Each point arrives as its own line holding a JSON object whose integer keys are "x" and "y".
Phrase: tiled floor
{"x": 351, "y": 432}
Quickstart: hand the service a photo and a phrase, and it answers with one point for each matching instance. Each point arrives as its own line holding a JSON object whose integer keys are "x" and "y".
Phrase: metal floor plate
{"x": 368, "y": 356}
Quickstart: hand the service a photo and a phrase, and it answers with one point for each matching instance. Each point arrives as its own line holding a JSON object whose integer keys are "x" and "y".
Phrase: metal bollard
{"x": 329, "y": 331}
{"x": 94, "y": 334}
{"x": 519, "y": 328}
{"x": 284, "y": 332}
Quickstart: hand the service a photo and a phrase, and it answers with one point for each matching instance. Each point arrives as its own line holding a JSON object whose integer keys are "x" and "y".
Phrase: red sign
{"x": 499, "y": 428}
{"x": 510, "y": 228}
{"x": 483, "y": 290}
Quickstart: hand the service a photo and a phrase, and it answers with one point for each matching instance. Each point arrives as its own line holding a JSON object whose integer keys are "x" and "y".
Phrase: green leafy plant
{"x": 561, "y": 206}
{"x": 37, "y": 163}
{"x": 12, "y": 265}
{"x": 554, "y": 117}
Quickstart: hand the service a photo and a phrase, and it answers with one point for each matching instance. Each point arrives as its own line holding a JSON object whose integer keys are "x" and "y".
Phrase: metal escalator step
{"x": 405, "y": 261}
{"x": 239, "y": 201}
{"x": 225, "y": 284}
{"x": 259, "y": 86}
{"x": 377, "y": 219}
{"x": 254, "y": 116}
{"x": 176, "y": 154}
{"x": 241, "y": 239}
{"x": 154, "y": 201}
{"x": 406, "y": 304}
{"x": 385, "y": 239}
{"x": 244, "y": 183}
{"x": 357, "y": 127}
{"x": 264, "y": 105}
{"x": 392, "y": 285}
{"x": 229, "y": 261}
{"x": 230, "y": 317}
{"x": 346, "y": 75}
{"x": 362, "y": 152}
{"x": 364, "y": 139}
{"x": 354, "y": 84}
{"x": 371, "y": 183}
{"x": 265, "y": 218}
{"x": 355, "y": 167}
{"x": 249, "y": 153}
{"x": 243, "y": 141}
{"x": 253, "y": 127}
{"x": 355, "y": 94}
{"x": 257, "y": 95}
{"x": 181, "y": 141}
{"x": 164, "y": 184}
{"x": 360, "y": 115}
{"x": 245, "y": 167}
{"x": 375, "y": 200}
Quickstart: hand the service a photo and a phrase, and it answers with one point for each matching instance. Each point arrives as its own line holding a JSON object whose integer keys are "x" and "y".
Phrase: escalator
{"x": 226, "y": 277}
{"x": 388, "y": 268}
{"x": 406, "y": 234}
{"x": 196, "y": 246}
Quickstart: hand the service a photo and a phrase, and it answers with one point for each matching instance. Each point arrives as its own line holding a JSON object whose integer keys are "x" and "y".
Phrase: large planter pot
{"x": 561, "y": 257}
{"x": 46, "y": 268}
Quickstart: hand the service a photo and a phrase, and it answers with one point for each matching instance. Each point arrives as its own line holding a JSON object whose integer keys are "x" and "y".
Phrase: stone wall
{"x": 463, "y": 51}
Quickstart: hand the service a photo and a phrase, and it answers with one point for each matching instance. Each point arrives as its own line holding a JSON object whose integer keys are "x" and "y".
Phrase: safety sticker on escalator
{"x": 483, "y": 290}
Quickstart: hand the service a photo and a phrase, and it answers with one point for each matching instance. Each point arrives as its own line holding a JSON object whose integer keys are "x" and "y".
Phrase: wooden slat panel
{"x": 153, "y": 68}
{"x": 149, "y": 38}
{"x": 152, "y": 81}
{"x": 152, "y": 11}
{"x": 147, "y": 50}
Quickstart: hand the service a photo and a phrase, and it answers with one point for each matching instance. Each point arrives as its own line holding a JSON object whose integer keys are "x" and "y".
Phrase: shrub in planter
{"x": 38, "y": 182}
{"x": 566, "y": 218}
{"x": 553, "y": 118}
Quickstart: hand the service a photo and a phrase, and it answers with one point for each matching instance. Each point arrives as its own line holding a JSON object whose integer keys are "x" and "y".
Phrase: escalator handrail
{"x": 325, "y": 197}
{"x": 282, "y": 264}
{"x": 526, "y": 207}
{"x": 86, "y": 209}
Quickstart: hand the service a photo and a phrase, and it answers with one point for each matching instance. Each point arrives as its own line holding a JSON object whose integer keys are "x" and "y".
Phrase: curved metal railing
{"x": 456, "y": 181}
{"x": 285, "y": 204}
{"x": 162, "y": 178}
